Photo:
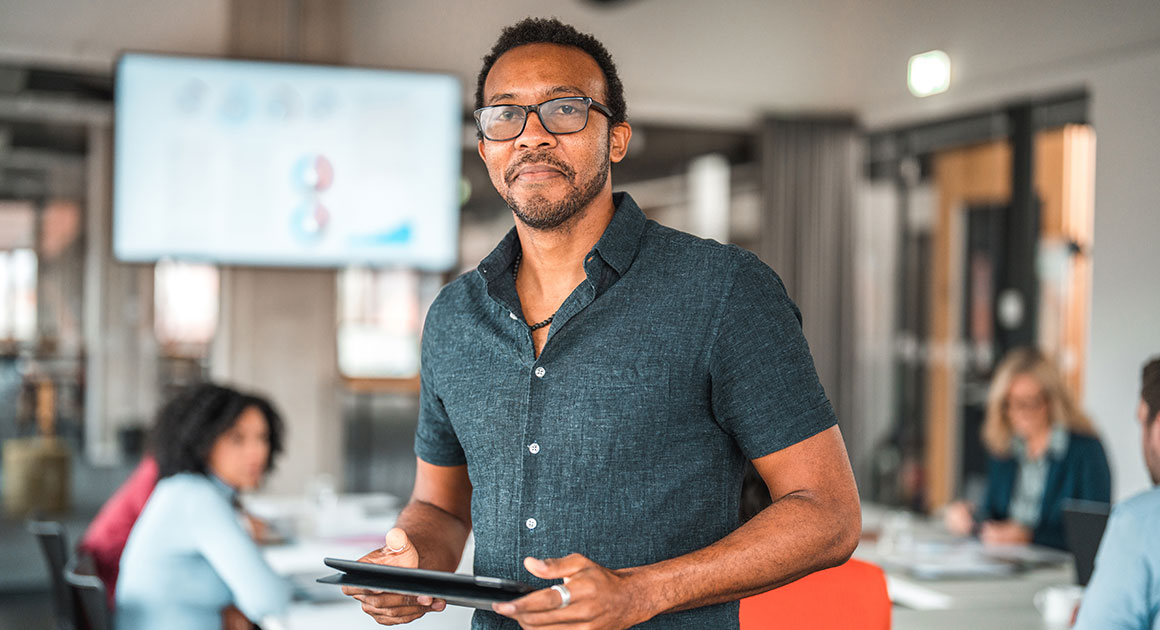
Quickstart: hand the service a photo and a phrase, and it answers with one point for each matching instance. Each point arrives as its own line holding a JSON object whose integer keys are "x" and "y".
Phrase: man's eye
{"x": 506, "y": 115}
{"x": 567, "y": 110}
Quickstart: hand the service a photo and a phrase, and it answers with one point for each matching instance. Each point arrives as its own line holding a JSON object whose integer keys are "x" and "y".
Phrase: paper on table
{"x": 907, "y": 593}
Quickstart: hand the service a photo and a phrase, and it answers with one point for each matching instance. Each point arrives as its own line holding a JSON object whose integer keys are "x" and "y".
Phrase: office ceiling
{"x": 683, "y": 61}
{"x": 726, "y": 61}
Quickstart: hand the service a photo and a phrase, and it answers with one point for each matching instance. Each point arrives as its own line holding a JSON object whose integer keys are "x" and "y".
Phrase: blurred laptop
{"x": 1083, "y": 527}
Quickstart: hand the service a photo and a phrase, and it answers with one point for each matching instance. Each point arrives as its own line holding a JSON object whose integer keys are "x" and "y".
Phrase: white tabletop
{"x": 344, "y": 526}
{"x": 978, "y": 602}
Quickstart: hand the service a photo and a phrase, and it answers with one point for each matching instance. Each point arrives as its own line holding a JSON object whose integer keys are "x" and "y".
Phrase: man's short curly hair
{"x": 189, "y": 424}
{"x": 553, "y": 31}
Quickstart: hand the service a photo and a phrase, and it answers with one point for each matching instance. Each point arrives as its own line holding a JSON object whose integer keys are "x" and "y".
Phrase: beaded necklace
{"x": 515, "y": 274}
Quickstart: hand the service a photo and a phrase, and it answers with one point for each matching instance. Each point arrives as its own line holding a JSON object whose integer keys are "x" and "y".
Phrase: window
{"x": 18, "y": 296}
{"x": 380, "y": 318}
{"x": 185, "y": 303}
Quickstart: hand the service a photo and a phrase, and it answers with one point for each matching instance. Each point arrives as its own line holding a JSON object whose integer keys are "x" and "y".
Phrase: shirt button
{"x": 533, "y": 448}
{"x": 540, "y": 372}
{"x": 531, "y": 523}
{"x": 513, "y": 316}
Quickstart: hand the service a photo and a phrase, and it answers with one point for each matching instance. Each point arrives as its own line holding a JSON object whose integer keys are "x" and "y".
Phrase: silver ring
{"x": 565, "y": 595}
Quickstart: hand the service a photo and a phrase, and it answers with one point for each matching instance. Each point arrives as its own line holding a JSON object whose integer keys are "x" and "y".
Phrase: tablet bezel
{"x": 457, "y": 589}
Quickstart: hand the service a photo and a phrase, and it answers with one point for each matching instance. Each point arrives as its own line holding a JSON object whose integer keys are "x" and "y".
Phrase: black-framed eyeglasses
{"x": 559, "y": 116}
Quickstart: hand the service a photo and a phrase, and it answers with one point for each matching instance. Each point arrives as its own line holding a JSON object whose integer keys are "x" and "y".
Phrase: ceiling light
{"x": 929, "y": 73}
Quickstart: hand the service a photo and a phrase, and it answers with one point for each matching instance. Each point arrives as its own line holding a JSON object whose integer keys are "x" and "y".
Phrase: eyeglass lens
{"x": 561, "y": 115}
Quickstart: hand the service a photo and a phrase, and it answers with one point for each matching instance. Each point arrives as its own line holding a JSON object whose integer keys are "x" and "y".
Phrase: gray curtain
{"x": 809, "y": 170}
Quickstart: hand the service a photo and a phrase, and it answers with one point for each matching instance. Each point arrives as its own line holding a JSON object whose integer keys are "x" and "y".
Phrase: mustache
{"x": 538, "y": 157}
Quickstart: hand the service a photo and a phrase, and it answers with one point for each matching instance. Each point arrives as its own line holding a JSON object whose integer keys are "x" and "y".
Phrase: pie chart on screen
{"x": 308, "y": 222}
{"x": 313, "y": 172}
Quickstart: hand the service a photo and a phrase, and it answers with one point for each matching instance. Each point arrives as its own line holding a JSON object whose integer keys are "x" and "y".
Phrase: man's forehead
{"x": 543, "y": 70}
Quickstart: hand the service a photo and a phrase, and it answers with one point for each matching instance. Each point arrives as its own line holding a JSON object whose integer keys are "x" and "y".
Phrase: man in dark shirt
{"x": 591, "y": 393}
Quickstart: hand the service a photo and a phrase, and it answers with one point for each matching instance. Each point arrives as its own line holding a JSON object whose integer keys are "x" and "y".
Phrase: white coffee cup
{"x": 1057, "y": 604}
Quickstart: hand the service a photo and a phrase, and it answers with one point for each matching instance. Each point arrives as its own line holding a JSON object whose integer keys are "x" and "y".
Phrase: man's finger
{"x": 386, "y": 600}
{"x": 537, "y": 601}
{"x": 551, "y": 619}
{"x": 556, "y": 568}
{"x": 397, "y": 550}
{"x": 543, "y": 600}
{"x": 394, "y": 616}
{"x": 394, "y": 611}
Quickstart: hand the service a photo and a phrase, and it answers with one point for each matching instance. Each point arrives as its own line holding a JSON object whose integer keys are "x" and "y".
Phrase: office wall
{"x": 85, "y": 33}
{"x": 1125, "y": 317}
{"x": 1125, "y": 323}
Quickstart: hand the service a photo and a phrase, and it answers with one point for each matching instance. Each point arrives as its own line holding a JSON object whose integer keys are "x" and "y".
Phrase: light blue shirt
{"x": 188, "y": 557}
{"x": 1031, "y": 482}
{"x": 1124, "y": 591}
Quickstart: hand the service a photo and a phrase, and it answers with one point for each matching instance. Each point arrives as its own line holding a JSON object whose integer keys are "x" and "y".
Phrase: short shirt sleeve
{"x": 765, "y": 390}
{"x": 435, "y": 439}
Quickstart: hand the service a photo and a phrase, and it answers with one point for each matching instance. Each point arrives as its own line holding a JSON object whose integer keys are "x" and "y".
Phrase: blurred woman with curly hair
{"x": 189, "y": 561}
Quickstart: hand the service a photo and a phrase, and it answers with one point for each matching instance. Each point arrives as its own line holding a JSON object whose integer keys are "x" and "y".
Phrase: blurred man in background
{"x": 1124, "y": 591}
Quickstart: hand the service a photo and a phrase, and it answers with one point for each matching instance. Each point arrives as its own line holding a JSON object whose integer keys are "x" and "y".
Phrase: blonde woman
{"x": 1043, "y": 450}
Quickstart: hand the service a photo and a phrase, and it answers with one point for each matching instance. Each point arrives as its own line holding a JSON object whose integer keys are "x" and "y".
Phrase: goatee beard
{"x": 540, "y": 214}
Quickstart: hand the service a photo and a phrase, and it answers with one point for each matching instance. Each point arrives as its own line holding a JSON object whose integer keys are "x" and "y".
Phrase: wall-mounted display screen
{"x": 277, "y": 164}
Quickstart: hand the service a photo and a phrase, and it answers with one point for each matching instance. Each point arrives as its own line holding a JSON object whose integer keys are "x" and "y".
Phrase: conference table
{"x": 348, "y": 526}
{"x": 966, "y": 596}
{"x": 339, "y": 526}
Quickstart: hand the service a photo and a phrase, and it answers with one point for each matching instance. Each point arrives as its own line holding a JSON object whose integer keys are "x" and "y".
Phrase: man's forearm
{"x": 791, "y": 538}
{"x": 437, "y": 535}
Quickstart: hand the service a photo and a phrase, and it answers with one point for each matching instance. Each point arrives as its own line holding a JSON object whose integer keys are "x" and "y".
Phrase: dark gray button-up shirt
{"x": 673, "y": 362}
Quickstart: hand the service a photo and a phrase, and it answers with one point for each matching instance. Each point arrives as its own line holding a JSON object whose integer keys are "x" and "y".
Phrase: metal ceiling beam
{"x": 41, "y": 109}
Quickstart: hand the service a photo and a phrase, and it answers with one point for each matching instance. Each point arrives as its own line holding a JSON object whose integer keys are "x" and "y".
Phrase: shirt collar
{"x": 501, "y": 258}
{"x": 617, "y": 246}
{"x": 227, "y": 491}
{"x": 1057, "y": 448}
{"x": 1056, "y": 445}
{"x": 621, "y": 239}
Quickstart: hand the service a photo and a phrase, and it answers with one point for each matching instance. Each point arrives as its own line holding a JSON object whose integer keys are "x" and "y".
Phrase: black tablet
{"x": 474, "y": 591}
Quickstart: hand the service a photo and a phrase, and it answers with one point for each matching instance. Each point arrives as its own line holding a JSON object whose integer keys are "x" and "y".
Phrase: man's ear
{"x": 481, "y": 156}
{"x": 618, "y": 138}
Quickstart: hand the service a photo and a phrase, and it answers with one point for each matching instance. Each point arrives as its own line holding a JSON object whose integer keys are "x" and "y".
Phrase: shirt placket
{"x": 537, "y": 515}
{"x": 533, "y": 519}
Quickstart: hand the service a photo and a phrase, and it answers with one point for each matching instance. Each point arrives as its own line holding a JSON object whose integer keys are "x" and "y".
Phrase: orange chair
{"x": 848, "y": 597}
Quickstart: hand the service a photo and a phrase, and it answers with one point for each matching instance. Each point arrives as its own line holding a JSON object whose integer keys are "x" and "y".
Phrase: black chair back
{"x": 54, "y": 543}
{"x": 89, "y": 590}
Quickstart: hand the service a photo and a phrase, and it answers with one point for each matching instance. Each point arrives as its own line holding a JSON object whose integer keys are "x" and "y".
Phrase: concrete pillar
{"x": 277, "y": 332}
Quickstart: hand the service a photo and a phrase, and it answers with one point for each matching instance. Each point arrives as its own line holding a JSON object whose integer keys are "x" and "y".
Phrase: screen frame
{"x": 209, "y": 258}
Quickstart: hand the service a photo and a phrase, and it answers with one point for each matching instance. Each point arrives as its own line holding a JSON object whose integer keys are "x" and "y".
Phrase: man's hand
{"x": 599, "y": 598}
{"x": 1004, "y": 533}
{"x": 391, "y": 609}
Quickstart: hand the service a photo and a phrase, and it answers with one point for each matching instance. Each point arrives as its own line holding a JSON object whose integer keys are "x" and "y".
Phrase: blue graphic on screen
{"x": 258, "y": 163}
{"x": 398, "y": 236}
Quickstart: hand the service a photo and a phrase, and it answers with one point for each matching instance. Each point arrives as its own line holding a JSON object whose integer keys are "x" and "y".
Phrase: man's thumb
{"x": 399, "y": 551}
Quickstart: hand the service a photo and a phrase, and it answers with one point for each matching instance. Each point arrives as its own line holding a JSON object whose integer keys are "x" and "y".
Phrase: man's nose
{"x": 535, "y": 135}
